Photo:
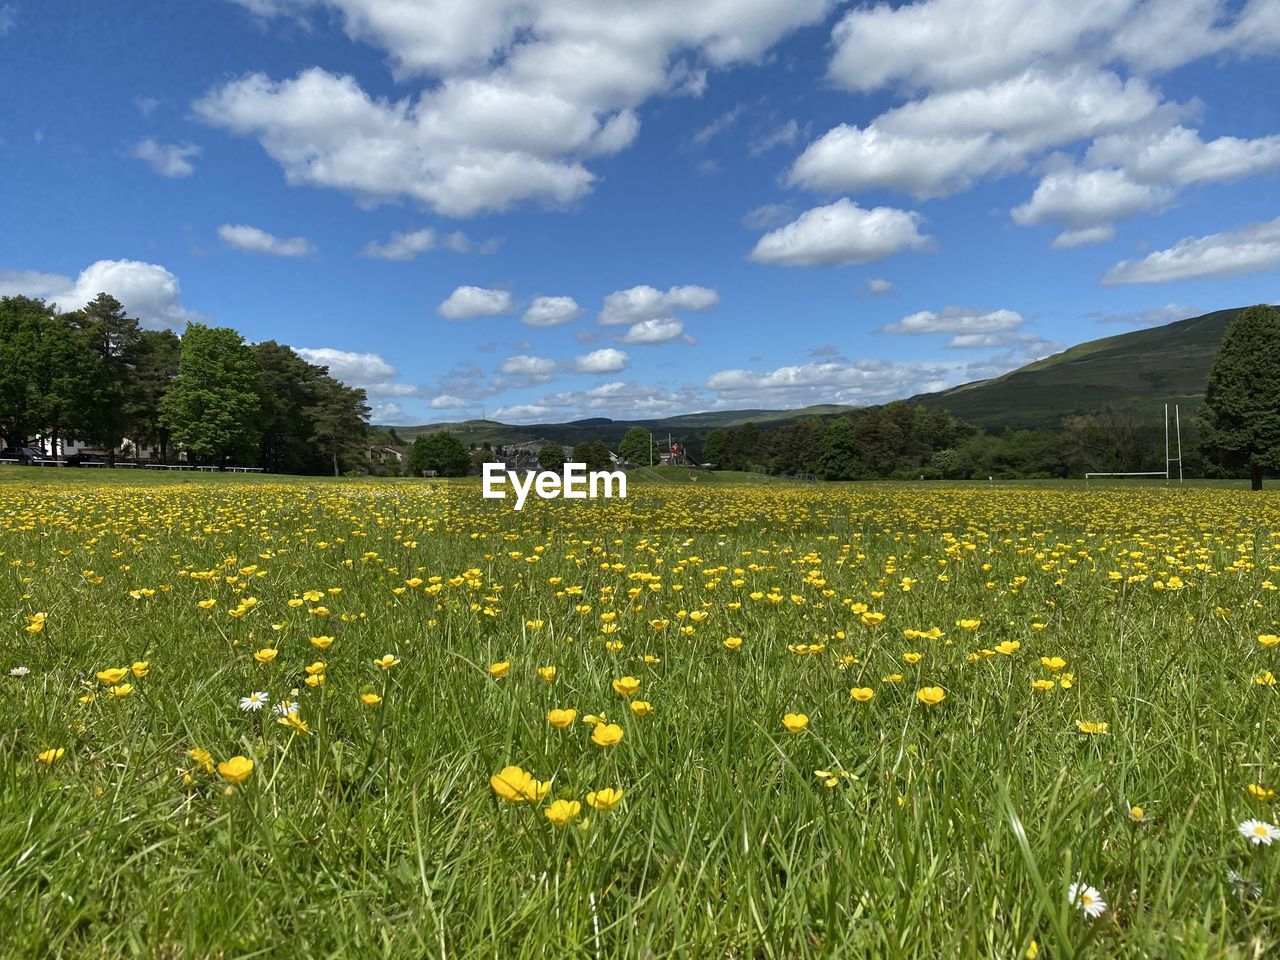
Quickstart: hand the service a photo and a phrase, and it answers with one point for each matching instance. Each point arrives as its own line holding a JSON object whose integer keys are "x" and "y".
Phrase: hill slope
{"x": 1147, "y": 367}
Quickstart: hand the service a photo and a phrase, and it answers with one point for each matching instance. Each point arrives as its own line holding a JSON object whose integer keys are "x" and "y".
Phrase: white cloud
{"x": 147, "y": 290}
{"x": 1083, "y": 237}
{"x": 955, "y": 43}
{"x": 878, "y": 286}
{"x": 8, "y": 18}
{"x": 522, "y": 413}
{"x": 604, "y": 360}
{"x": 636, "y": 304}
{"x": 535, "y": 368}
{"x": 782, "y": 136}
{"x": 388, "y": 412}
{"x": 1251, "y": 248}
{"x": 1084, "y": 198}
{"x": 524, "y": 93}
{"x": 950, "y": 43}
{"x": 1153, "y": 317}
{"x": 1179, "y": 156}
{"x": 842, "y": 232}
{"x": 447, "y": 401}
{"x": 166, "y": 159}
{"x": 943, "y": 143}
{"x": 658, "y": 330}
{"x": 551, "y": 311}
{"x": 358, "y": 369}
{"x": 466, "y": 303}
{"x": 768, "y": 216}
{"x": 253, "y": 240}
{"x": 957, "y": 320}
{"x": 407, "y": 246}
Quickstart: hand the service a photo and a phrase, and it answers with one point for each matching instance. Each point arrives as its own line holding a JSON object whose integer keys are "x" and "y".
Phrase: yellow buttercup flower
{"x": 140, "y": 668}
{"x": 641, "y": 708}
{"x": 1043, "y": 685}
{"x": 500, "y": 669}
{"x": 547, "y": 673}
{"x": 266, "y": 654}
{"x": 605, "y": 799}
{"x": 732, "y": 643}
{"x": 294, "y": 722}
{"x": 562, "y": 812}
{"x": 1261, "y": 793}
{"x": 1053, "y": 663}
{"x": 1008, "y": 648}
{"x": 795, "y": 722}
{"x": 931, "y": 696}
{"x": 120, "y": 690}
{"x": 1268, "y": 639}
{"x": 370, "y": 699}
{"x": 626, "y": 686}
{"x": 561, "y": 718}
{"x": 862, "y": 694}
{"x": 47, "y": 757}
{"x": 515, "y": 785}
{"x": 386, "y": 662}
{"x": 321, "y": 643}
{"x": 235, "y": 770}
{"x": 606, "y": 734}
{"x": 1093, "y": 729}
{"x": 109, "y": 678}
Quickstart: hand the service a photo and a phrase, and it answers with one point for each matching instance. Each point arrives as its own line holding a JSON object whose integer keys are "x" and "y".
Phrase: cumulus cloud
{"x": 1153, "y": 317}
{"x": 957, "y": 320}
{"x": 147, "y": 290}
{"x": 523, "y": 94}
{"x": 403, "y": 247}
{"x": 551, "y": 311}
{"x": 532, "y": 368}
{"x": 467, "y": 303}
{"x": 358, "y": 369}
{"x": 1251, "y": 248}
{"x": 637, "y": 304}
{"x": 842, "y": 232}
{"x": 604, "y": 360}
{"x": 878, "y": 286}
{"x": 253, "y": 240}
{"x": 447, "y": 401}
{"x": 166, "y": 159}
{"x": 1082, "y": 198}
{"x": 1083, "y": 237}
{"x": 657, "y": 330}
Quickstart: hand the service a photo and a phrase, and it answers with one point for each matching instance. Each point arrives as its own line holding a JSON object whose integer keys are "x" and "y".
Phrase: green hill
{"x": 1144, "y": 368}
{"x": 685, "y": 428}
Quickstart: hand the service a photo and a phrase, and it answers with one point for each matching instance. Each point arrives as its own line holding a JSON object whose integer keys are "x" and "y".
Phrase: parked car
{"x": 80, "y": 459}
{"x": 24, "y": 455}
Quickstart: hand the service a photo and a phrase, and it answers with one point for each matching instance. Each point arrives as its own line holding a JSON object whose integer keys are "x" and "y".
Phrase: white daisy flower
{"x": 19, "y": 672}
{"x": 1087, "y": 898}
{"x": 254, "y": 701}
{"x": 1258, "y": 832}
{"x": 285, "y": 707}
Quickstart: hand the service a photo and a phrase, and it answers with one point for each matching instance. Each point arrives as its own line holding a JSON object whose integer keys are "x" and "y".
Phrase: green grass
{"x": 956, "y": 833}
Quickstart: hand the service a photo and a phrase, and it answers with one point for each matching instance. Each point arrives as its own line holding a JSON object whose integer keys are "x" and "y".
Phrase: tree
{"x": 551, "y": 456}
{"x": 1240, "y": 416}
{"x": 599, "y": 459}
{"x": 213, "y": 405}
{"x": 581, "y": 454}
{"x": 441, "y": 452}
{"x": 115, "y": 337}
{"x": 713, "y": 446}
{"x": 637, "y": 447}
{"x": 289, "y": 389}
{"x": 155, "y": 364}
{"x": 339, "y": 418}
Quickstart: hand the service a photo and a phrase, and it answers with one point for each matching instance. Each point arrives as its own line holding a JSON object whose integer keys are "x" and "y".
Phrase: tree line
{"x": 97, "y": 376}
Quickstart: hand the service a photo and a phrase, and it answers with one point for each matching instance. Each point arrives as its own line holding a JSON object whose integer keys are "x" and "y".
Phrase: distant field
{"x": 883, "y": 720}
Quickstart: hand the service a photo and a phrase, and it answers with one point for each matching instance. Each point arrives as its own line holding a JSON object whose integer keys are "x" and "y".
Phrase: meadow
{"x": 255, "y": 717}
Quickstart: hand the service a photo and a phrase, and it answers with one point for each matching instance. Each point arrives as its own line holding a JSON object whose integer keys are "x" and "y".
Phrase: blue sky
{"x": 552, "y": 209}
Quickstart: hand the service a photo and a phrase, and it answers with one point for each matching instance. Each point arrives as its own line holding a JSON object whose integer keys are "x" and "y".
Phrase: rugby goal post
{"x": 1169, "y": 458}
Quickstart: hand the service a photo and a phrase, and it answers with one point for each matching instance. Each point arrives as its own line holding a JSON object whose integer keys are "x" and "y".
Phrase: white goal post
{"x": 1169, "y": 459}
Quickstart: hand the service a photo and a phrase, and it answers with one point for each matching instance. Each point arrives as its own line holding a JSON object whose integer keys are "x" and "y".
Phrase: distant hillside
{"x": 1145, "y": 368}
{"x": 685, "y": 428}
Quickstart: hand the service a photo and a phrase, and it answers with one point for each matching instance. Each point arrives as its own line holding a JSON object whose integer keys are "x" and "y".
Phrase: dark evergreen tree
{"x": 1240, "y": 416}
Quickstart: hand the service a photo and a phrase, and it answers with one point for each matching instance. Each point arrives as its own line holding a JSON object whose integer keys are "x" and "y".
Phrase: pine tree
{"x": 1240, "y": 416}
